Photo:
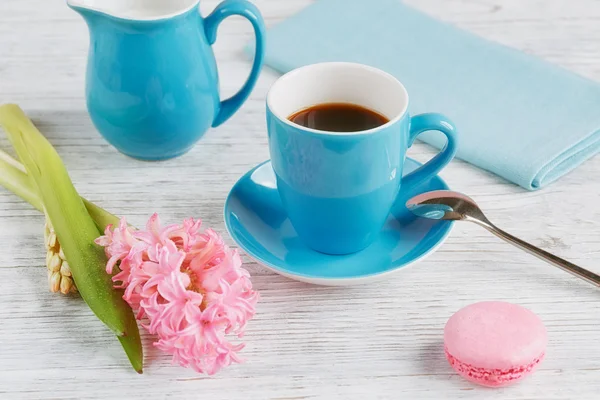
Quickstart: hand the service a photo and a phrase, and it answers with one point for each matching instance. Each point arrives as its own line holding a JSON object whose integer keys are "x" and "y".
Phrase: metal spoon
{"x": 454, "y": 206}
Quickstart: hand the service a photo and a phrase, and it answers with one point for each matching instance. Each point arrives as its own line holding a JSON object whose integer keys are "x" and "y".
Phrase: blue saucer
{"x": 257, "y": 222}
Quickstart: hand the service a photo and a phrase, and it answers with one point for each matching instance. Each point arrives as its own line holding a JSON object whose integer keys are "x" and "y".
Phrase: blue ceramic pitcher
{"x": 152, "y": 86}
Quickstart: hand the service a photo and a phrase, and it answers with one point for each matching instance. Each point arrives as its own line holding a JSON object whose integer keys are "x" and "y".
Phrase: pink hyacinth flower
{"x": 186, "y": 286}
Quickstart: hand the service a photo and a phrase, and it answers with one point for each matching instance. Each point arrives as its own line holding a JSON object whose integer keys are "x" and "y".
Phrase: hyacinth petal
{"x": 187, "y": 287}
{"x": 172, "y": 288}
{"x": 112, "y": 261}
{"x": 103, "y": 240}
{"x": 153, "y": 224}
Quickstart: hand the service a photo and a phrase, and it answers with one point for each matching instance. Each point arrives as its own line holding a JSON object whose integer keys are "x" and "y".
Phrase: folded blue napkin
{"x": 522, "y": 118}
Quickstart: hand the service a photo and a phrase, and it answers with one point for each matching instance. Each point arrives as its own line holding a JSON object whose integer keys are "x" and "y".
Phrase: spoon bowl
{"x": 444, "y": 204}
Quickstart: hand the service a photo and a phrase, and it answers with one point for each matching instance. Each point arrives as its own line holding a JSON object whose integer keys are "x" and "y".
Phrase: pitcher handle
{"x": 211, "y": 23}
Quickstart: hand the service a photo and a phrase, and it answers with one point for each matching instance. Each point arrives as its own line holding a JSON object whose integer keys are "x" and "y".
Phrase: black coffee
{"x": 338, "y": 117}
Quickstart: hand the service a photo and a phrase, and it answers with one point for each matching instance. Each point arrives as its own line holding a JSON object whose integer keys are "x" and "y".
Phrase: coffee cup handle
{"x": 249, "y": 11}
{"x": 431, "y": 122}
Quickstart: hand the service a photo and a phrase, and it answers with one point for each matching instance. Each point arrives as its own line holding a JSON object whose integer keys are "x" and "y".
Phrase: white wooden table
{"x": 381, "y": 341}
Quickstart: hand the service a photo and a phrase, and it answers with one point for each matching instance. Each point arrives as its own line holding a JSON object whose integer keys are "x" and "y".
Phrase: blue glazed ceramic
{"x": 257, "y": 221}
{"x": 152, "y": 86}
{"x": 338, "y": 188}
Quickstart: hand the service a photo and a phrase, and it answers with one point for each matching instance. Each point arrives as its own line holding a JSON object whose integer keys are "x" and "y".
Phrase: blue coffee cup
{"x": 338, "y": 187}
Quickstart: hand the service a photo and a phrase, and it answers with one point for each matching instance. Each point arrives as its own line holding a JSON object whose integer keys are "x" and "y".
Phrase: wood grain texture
{"x": 380, "y": 341}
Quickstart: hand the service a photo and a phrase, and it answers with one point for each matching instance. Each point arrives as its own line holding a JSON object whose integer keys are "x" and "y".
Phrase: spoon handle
{"x": 544, "y": 255}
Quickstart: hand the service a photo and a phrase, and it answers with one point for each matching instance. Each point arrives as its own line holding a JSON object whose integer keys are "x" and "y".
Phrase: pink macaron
{"x": 494, "y": 343}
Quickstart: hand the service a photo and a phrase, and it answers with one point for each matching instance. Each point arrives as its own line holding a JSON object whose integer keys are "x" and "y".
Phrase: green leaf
{"x": 74, "y": 227}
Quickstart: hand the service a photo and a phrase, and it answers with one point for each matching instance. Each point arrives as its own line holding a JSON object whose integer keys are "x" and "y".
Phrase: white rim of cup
{"x": 291, "y": 74}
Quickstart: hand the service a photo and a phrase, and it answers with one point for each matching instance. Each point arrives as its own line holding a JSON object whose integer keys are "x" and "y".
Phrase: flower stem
{"x": 14, "y": 178}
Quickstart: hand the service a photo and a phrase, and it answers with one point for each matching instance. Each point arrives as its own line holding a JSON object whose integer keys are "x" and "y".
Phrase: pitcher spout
{"x": 133, "y": 10}
{"x": 85, "y": 8}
